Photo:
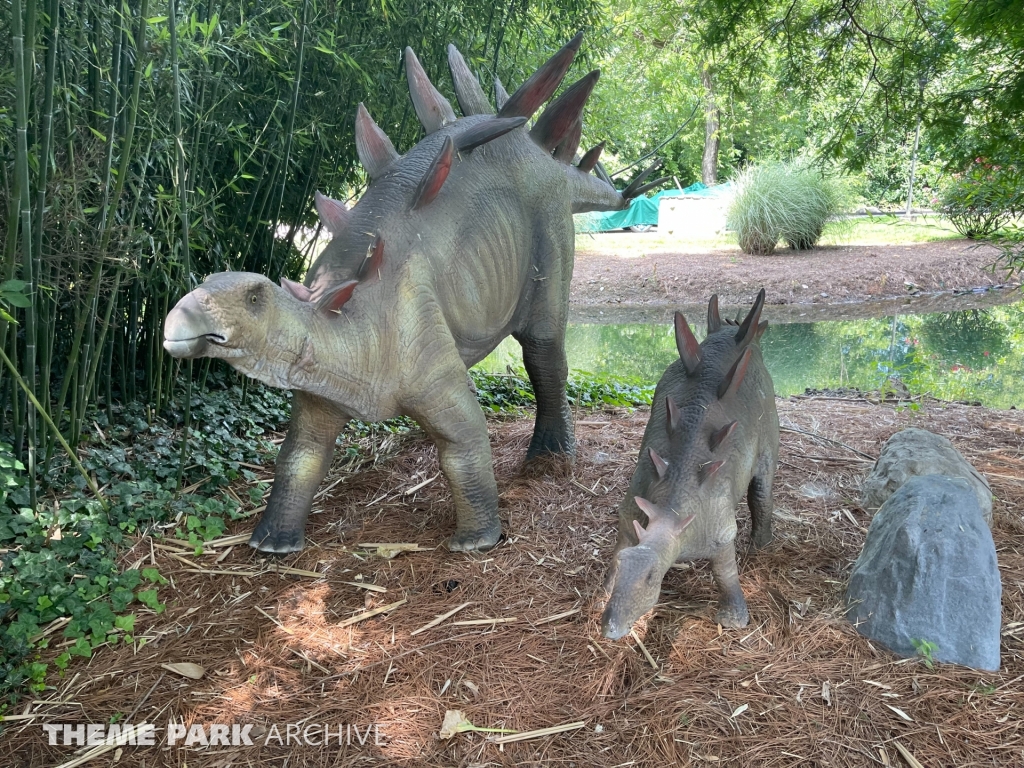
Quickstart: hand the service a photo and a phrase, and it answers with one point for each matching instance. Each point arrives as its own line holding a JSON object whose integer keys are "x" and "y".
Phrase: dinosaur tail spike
{"x": 709, "y": 470}
{"x": 431, "y": 107}
{"x": 714, "y": 319}
{"x": 603, "y": 174}
{"x": 720, "y": 436}
{"x": 643, "y": 190}
{"x": 687, "y": 344}
{"x": 761, "y": 328}
{"x": 500, "y": 94}
{"x": 376, "y": 152}
{"x": 673, "y": 413}
{"x": 557, "y": 120}
{"x": 434, "y": 178}
{"x": 566, "y": 151}
{"x": 731, "y": 383}
{"x": 590, "y": 159}
{"x": 488, "y": 130}
{"x": 374, "y": 259}
{"x": 538, "y": 89}
{"x": 634, "y": 188}
{"x": 333, "y": 213}
{"x": 335, "y": 298}
{"x": 748, "y": 328}
{"x": 298, "y": 290}
{"x": 660, "y": 465}
{"x": 472, "y": 100}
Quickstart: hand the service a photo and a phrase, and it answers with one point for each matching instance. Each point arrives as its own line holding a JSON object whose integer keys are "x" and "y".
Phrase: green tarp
{"x": 642, "y": 211}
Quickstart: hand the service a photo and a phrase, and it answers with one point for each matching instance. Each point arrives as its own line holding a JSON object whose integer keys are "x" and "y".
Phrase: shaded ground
{"x": 642, "y": 269}
{"x": 796, "y": 687}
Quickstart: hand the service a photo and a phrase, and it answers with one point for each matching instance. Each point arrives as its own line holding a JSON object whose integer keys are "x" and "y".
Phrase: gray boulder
{"x": 914, "y": 452}
{"x": 928, "y": 573}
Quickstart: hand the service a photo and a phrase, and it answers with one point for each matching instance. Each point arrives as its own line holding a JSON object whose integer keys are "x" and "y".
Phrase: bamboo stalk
{"x": 27, "y": 266}
{"x": 289, "y": 131}
{"x": 44, "y": 165}
{"x": 181, "y": 185}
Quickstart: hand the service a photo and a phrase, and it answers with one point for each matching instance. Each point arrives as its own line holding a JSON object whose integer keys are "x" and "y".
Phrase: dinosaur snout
{"x": 634, "y": 584}
{"x": 189, "y": 329}
{"x": 612, "y": 628}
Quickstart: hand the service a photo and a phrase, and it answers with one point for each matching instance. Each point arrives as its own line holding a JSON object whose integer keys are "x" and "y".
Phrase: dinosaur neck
{"x": 665, "y": 544}
{"x": 333, "y": 358}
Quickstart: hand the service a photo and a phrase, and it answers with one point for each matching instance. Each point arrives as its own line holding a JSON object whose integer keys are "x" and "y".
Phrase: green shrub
{"x": 983, "y": 199}
{"x": 789, "y": 201}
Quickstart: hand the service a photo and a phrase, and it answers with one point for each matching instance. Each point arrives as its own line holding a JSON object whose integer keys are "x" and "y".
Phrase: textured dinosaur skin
{"x": 466, "y": 239}
{"x": 713, "y": 435}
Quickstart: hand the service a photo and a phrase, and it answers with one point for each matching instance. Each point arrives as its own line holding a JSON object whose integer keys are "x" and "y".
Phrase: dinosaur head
{"x": 634, "y": 581}
{"x": 232, "y": 315}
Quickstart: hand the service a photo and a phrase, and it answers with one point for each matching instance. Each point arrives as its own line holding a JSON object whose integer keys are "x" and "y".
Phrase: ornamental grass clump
{"x": 788, "y": 201}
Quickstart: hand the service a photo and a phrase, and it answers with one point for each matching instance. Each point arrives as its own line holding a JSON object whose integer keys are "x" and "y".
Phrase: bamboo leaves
{"x": 146, "y": 147}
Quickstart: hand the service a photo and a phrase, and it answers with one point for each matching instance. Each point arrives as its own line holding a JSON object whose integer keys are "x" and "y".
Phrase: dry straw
{"x": 798, "y": 686}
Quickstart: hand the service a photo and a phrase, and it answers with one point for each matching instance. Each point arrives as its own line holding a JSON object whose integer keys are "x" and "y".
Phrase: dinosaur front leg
{"x": 546, "y": 366}
{"x": 732, "y": 607}
{"x": 452, "y": 417}
{"x": 302, "y": 463}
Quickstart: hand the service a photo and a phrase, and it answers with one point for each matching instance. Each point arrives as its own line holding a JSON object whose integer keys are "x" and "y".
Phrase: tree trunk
{"x": 709, "y": 163}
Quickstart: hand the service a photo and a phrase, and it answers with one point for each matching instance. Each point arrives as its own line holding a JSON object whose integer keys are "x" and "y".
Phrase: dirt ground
{"x": 640, "y": 269}
{"x": 521, "y": 649}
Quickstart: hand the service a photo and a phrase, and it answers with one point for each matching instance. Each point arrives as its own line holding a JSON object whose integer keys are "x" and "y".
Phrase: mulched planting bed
{"x": 798, "y": 686}
{"x": 616, "y": 270}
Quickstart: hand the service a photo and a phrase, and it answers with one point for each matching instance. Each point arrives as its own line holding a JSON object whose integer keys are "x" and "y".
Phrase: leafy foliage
{"x": 499, "y": 392}
{"x": 984, "y": 198}
{"x": 782, "y": 200}
{"x": 61, "y": 560}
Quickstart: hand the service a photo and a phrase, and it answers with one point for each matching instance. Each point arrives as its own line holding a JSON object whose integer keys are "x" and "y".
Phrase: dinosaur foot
{"x": 475, "y": 539}
{"x": 733, "y": 616}
{"x": 277, "y": 541}
{"x": 551, "y": 442}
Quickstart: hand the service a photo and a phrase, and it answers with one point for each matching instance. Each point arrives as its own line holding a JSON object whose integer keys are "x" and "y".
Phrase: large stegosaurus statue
{"x": 464, "y": 240}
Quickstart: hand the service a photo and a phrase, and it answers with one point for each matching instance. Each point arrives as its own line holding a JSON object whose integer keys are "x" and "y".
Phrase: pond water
{"x": 974, "y": 354}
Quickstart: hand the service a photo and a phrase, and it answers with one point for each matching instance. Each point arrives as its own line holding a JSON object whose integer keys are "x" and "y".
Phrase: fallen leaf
{"x": 739, "y": 710}
{"x": 454, "y": 722}
{"x": 185, "y": 669}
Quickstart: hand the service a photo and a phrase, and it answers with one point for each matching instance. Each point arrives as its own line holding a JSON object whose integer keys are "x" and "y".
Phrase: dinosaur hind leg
{"x": 548, "y": 371}
{"x": 302, "y": 463}
{"x": 759, "y": 500}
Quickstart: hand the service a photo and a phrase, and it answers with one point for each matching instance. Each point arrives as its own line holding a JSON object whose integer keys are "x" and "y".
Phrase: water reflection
{"x": 975, "y": 354}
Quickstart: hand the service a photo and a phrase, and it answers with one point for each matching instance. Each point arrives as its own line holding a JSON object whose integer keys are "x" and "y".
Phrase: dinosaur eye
{"x": 253, "y": 298}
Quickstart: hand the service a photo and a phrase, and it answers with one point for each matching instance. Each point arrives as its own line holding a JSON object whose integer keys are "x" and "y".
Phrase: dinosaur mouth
{"x": 195, "y": 346}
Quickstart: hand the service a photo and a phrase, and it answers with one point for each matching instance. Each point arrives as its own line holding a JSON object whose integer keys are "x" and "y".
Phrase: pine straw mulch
{"x": 798, "y": 686}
